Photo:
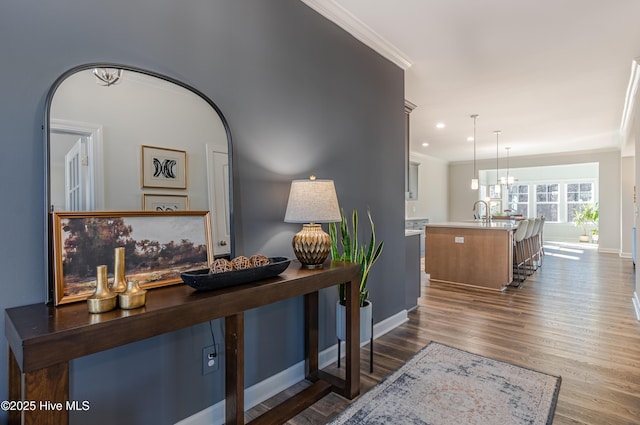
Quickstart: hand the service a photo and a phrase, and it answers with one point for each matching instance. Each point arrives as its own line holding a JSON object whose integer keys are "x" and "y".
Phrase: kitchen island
{"x": 470, "y": 253}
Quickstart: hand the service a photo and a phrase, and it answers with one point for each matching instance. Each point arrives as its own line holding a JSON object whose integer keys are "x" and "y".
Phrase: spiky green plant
{"x": 587, "y": 215}
{"x": 347, "y": 248}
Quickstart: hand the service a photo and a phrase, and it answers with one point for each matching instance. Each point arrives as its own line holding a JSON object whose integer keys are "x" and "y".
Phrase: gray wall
{"x": 301, "y": 97}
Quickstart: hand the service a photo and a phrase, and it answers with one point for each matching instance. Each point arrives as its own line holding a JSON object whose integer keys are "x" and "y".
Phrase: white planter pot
{"x": 366, "y": 313}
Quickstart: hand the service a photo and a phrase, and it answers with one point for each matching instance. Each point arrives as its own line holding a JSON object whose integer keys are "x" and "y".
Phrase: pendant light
{"x": 474, "y": 181}
{"x": 508, "y": 181}
{"x": 497, "y": 186}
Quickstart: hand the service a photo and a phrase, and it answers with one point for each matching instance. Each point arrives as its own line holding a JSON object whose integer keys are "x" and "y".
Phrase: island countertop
{"x": 501, "y": 225}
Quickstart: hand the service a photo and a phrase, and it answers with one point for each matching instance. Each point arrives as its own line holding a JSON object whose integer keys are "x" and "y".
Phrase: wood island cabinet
{"x": 473, "y": 254}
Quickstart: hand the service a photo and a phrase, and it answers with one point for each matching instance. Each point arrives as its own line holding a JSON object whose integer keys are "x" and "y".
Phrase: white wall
{"x": 461, "y": 197}
{"x": 634, "y": 138}
{"x": 583, "y": 171}
{"x": 433, "y": 188}
{"x": 627, "y": 177}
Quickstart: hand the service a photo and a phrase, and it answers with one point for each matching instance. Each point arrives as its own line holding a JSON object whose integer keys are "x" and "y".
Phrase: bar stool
{"x": 527, "y": 247}
{"x": 519, "y": 255}
{"x": 533, "y": 241}
{"x": 540, "y": 241}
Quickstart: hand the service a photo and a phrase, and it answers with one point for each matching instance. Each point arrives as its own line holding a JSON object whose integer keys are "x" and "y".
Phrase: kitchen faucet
{"x": 486, "y": 210}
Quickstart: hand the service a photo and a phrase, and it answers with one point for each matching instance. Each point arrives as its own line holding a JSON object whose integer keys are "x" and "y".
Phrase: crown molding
{"x": 409, "y": 106}
{"x": 627, "y": 143}
{"x": 630, "y": 98}
{"x": 331, "y": 10}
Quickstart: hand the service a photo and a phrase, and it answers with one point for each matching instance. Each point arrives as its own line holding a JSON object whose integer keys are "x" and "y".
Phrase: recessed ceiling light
{"x": 440, "y": 125}
{"x": 425, "y": 144}
{"x": 470, "y": 139}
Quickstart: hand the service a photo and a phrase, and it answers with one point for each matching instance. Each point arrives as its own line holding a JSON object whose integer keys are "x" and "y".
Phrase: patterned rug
{"x": 441, "y": 385}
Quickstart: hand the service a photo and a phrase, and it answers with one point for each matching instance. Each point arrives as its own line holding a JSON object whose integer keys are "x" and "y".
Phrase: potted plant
{"x": 586, "y": 216}
{"x": 347, "y": 248}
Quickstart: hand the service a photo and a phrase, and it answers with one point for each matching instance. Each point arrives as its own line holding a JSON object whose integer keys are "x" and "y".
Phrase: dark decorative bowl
{"x": 204, "y": 280}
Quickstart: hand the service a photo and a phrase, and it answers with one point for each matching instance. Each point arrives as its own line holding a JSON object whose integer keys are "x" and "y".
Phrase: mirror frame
{"x": 47, "y": 139}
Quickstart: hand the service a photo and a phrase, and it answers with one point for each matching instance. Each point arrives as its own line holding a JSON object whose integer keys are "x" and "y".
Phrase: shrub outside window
{"x": 578, "y": 194}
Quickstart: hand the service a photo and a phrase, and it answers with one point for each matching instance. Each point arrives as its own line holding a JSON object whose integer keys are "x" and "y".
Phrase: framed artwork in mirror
{"x": 167, "y": 203}
{"x": 158, "y": 247}
{"x": 164, "y": 168}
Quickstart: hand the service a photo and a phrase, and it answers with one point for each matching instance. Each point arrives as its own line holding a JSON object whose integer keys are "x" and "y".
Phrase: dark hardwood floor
{"x": 573, "y": 318}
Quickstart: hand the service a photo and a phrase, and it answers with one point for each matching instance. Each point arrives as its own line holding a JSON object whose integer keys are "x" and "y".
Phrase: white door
{"x": 219, "y": 200}
{"x": 75, "y": 156}
{"x": 76, "y": 178}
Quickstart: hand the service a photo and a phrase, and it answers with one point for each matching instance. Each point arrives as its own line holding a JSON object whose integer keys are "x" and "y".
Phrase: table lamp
{"x": 311, "y": 202}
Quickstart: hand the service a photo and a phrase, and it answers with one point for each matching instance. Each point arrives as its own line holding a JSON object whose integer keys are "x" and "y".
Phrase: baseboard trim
{"x": 625, "y": 254}
{"x": 636, "y": 304}
{"x": 271, "y": 386}
{"x": 331, "y": 354}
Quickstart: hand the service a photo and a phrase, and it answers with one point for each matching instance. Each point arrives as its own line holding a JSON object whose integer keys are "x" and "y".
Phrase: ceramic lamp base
{"x": 311, "y": 245}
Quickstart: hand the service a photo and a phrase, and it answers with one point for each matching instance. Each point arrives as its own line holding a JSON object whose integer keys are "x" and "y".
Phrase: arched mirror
{"x": 110, "y": 130}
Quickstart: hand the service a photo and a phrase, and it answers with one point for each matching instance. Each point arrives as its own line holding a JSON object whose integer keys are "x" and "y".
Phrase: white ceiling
{"x": 552, "y": 75}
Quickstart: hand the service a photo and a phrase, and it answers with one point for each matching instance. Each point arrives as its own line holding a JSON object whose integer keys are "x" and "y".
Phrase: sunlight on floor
{"x": 565, "y": 249}
{"x": 568, "y": 257}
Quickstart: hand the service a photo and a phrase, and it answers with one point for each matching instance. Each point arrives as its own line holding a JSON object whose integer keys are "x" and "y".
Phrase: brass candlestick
{"x": 133, "y": 297}
{"x": 119, "y": 281}
{"x": 102, "y": 299}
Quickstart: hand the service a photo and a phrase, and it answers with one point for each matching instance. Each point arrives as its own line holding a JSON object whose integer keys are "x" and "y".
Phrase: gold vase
{"x": 119, "y": 280}
{"x": 103, "y": 299}
{"x": 133, "y": 297}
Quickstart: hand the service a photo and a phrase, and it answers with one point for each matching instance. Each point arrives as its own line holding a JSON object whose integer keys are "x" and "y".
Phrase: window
{"x": 547, "y": 201}
{"x": 518, "y": 201}
{"x": 577, "y": 195}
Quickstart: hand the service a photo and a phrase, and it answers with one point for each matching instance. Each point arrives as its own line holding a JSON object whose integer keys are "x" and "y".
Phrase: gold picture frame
{"x": 164, "y": 203}
{"x": 84, "y": 240}
{"x": 163, "y": 167}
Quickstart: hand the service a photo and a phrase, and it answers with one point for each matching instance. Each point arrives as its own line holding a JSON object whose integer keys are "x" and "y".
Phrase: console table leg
{"x": 352, "y": 349}
{"x": 311, "y": 335}
{"x": 47, "y": 388}
{"x": 48, "y": 384}
{"x": 15, "y": 387}
{"x": 234, "y": 369}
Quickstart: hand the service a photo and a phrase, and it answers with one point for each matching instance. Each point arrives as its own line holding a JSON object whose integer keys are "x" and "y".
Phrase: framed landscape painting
{"x": 158, "y": 247}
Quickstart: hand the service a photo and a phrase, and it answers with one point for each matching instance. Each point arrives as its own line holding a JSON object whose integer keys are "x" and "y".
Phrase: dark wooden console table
{"x": 43, "y": 339}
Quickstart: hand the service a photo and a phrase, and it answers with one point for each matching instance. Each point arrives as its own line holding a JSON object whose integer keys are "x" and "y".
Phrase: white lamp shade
{"x": 312, "y": 201}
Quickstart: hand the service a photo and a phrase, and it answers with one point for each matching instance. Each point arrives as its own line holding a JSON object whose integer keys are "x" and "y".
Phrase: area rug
{"x": 441, "y": 385}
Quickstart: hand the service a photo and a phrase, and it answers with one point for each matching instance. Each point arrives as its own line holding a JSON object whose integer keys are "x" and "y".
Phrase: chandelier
{"x": 107, "y": 76}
